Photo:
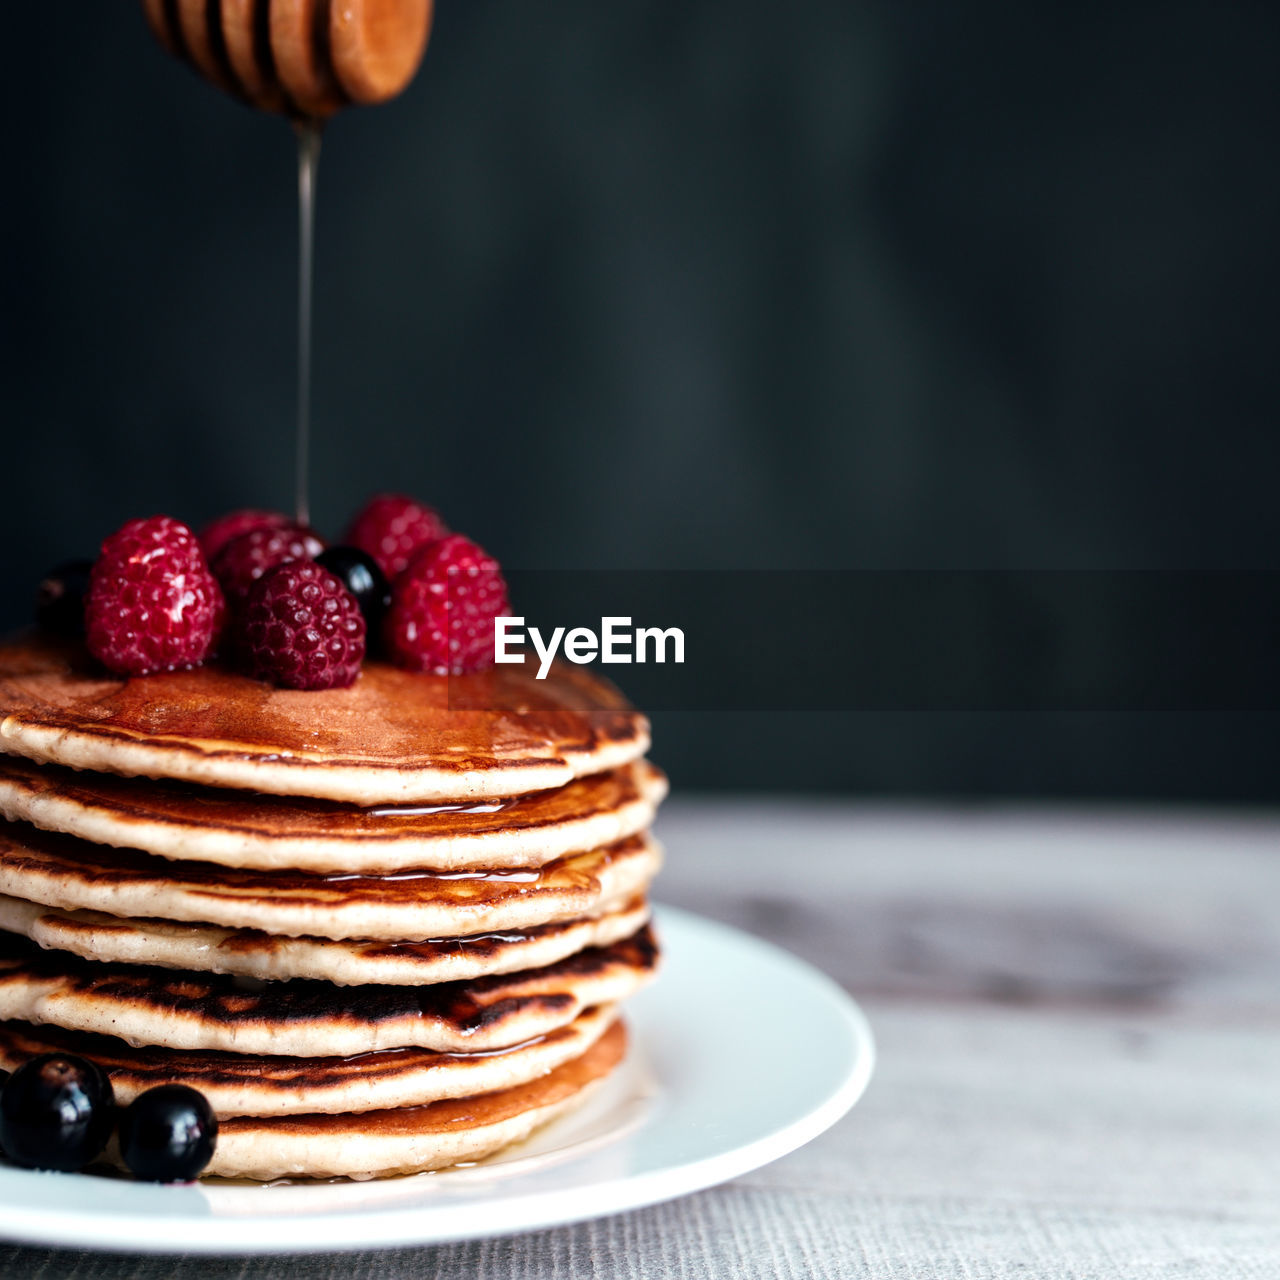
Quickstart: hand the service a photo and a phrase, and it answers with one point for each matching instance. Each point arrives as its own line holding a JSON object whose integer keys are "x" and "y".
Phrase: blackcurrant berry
{"x": 359, "y": 573}
{"x": 56, "y": 1112}
{"x": 167, "y": 1134}
{"x": 60, "y": 598}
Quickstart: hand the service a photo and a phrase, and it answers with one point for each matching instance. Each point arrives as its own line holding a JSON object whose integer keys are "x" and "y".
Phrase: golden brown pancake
{"x": 245, "y": 1085}
{"x": 307, "y": 1019}
{"x": 374, "y": 1144}
{"x": 394, "y": 737}
{"x": 251, "y": 953}
{"x": 382, "y": 928}
{"x": 409, "y": 906}
{"x": 241, "y": 829}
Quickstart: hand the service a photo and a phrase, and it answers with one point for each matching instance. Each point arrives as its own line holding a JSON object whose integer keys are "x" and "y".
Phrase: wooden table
{"x": 1078, "y": 1016}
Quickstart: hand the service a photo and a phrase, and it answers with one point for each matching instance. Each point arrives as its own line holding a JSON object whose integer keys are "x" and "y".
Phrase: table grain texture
{"x": 1078, "y": 1022}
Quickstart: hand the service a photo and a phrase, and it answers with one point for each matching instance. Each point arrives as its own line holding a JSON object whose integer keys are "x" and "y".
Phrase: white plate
{"x": 699, "y": 1100}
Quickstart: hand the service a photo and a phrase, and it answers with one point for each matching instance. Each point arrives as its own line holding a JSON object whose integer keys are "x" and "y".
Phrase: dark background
{"x": 694, "y": 285}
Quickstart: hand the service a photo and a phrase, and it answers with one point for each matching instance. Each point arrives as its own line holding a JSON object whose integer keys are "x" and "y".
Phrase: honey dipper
{"x": 303, "y": 58}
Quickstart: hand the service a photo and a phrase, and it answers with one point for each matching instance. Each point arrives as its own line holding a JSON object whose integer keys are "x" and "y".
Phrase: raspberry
{"x": 442, "y": 611}
{"x": 152, "y": 604}
{"x": 246, "y": 558}
{"x": 217, "y": 533}
{"x": 302, "y": 628}
{"x": 391, "y": 528}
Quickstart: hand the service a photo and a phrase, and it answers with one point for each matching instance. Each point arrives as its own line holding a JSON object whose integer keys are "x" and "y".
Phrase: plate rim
{"x": 207, "y": 1233}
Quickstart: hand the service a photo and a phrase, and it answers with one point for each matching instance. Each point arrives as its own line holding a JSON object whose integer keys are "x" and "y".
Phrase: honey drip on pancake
{"x": 424, "y": 810}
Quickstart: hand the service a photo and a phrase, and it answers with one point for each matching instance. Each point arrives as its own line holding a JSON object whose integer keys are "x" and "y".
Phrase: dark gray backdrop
{"x": 696, "y": 284}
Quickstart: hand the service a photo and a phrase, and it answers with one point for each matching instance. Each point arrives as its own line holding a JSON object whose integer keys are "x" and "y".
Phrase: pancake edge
{"x": 207, "y": 764}
{"x": 263, "y": 1152}
{"x": 384, "y": 853}
{"x": 104, "y": 939}
{"x": 365, "y": 918}
{"x": 416, "y": 1082}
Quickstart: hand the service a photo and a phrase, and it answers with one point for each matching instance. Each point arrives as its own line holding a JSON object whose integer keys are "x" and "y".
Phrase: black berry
{"x": 167, "y": 1134}
{"x": 60, "y": 598}
{"x": 56, "y": 1112}
{"x": 358, "y": 571}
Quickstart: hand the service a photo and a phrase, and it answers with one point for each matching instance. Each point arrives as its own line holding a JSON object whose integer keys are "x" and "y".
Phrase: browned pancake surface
{"x": 409, "y": 1139}
{"x": 47, "y": 853}
{"x": 42, "y": 866}
{"x": 394, "y": 734}
{"x": 234, "y": 827}
{"x": 139, "y": 1069}
{"x": 256, "y": 954}
{"x": 489, "y": 1012}
{"x": 243, "y": 1084}
{"x": 288, "y": 818}
{"x": 452, "y": 1113}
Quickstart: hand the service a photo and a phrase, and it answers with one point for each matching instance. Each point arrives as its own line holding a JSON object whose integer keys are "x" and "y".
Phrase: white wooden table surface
{"x": 1078, "y": 1016}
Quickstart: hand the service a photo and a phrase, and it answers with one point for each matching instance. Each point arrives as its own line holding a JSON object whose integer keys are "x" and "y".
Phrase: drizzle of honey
{"x": 423, "y": 810}
{"x": 308, "y": 163}
{"x": 519, "y": 876}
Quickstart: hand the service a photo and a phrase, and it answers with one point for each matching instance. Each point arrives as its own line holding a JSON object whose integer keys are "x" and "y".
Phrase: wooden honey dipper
{"x": 302, "y": 58}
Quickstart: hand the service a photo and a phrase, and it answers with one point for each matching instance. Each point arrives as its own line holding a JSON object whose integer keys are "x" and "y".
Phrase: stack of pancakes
{"x": 383, "y": 929}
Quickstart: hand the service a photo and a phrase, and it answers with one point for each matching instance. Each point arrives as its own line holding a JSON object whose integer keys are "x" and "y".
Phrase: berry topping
{"x": 167, "y": 1134}
{"x": 244, "y": 560}
{"x": 391, "y": 528}
{"x": 358, "y": 571}
{"x": 56, "y": 1112}
{"x": 217, "y": 533}
{"x": 152, "y": 605}
{"x": 442, "y": 612}
{"x": 303, "y": 629}
{"x": 60, "y": 598}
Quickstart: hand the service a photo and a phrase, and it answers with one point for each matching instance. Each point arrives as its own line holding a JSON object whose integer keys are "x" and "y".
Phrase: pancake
{"x": 241, "y": 1085}
{"x": 306, "y": 1019}
{"x": 59, "y": 871}
{"x": 374, "y": 1144}
{"x": 394, "y": 737}
{"x": 180, "y": 821}
{"x": 254, "y": 954}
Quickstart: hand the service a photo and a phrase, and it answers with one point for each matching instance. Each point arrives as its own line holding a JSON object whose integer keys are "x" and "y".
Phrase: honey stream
{"x": 308, "y": 163}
